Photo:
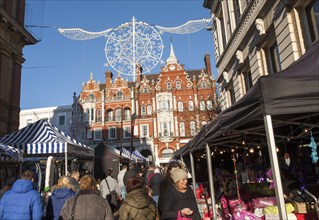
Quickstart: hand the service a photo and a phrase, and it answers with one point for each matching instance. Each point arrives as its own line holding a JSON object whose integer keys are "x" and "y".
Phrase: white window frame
{"x": 97, "y": 133}
{"x": 204, "y": 84}
{"x": 192, "y": 128}
{"x": 209, "y": 104}
{"x": 191, "y": 105}
{"x": 182, "y": 129}
{"x": 110, "y": 131}
{"x": 149, "y": 110}
{"x": 98, "y": 115}
{"x": 126, "y": 129}
{"x": 143, "y": 110}
{"x": 59, "y": 124}
{"x": 112, "y": 115}
{"x": 178, "y": 84}
{"x": 118, "y": 117}
{"x": 180, "y": 106}
{"x": 169, "y": 85}
{"x": 145, "y": 90}
{"x": 202, "y": 105}
{"x": 142, "y": 126}
{"x": 127, "y": 114}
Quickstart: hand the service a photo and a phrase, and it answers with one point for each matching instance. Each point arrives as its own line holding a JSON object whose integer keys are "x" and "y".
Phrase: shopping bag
{"x": 180, "y": 217}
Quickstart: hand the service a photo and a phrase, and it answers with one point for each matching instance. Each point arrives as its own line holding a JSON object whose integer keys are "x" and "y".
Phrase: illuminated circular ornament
{"x": 131, "y": 44}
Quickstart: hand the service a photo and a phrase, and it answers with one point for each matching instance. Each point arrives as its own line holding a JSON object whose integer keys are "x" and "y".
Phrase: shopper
{"x": 166, "y": 183}
{"x": 120, "y": 181}
{"x": 155, "y": 184}
{"x": 87, "y": 204}
{"x": 179, "y": 200}
{"x": 137, "y": 204}
{"x": 22, "y": 201}
{"x": 60, "y": 194}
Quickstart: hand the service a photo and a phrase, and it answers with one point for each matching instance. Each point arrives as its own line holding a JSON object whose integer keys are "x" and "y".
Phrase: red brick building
{"x": 170, "y": 108}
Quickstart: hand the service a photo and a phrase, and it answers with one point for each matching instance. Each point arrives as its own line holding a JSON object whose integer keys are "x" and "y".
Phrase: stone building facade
{"x": 253, "y": 38}
{"x": 13, "y": 37}
{"x": 170, "y": 108}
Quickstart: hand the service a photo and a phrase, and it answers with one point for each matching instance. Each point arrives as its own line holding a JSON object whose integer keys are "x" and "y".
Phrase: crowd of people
{"x": 149, "y": 193}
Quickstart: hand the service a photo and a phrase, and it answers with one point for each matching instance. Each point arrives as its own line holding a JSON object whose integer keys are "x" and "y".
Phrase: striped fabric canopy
{"x": 134, "y": 156}
{"x": 43, "y": 138}
{"x": 10, "y": 153}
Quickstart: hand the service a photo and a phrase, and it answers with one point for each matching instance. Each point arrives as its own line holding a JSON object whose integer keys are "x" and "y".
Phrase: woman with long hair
{"x": 88, "y": 203}
{"x": 60, "y": 194}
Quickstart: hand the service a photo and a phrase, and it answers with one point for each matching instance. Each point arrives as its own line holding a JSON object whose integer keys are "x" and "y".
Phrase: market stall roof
{"x": 8, "y": 153}
{"x": 291, "y": 97}
{"x": 42, "y": 138}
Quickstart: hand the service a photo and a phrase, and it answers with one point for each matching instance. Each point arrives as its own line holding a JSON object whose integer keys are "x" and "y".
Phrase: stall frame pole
{"x": 275, "y": 167}
{"x": 193, "y": 172}
{"x": 211, "y": 180}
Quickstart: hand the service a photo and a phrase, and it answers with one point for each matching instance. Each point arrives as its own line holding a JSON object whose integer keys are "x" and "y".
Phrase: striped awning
{"x": 8, "y": 153}
{"x": 42, "y": 138}
{"x": 135, "y": 155}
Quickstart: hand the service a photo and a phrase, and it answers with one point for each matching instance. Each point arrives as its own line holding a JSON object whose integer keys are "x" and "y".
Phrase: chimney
{"x": 108, "y": 79}
{"x": 207, "y": 64}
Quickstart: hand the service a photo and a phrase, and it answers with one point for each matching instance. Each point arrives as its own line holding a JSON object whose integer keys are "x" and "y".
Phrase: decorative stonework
{"x": 260, "y": 26}
{"x": 239, "y": 56}
{"x": 238, "y": 36}
{"x": 226, "y": 76}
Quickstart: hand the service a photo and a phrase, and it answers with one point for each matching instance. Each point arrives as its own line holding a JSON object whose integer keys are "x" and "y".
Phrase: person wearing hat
{"x": 180, "y": 199}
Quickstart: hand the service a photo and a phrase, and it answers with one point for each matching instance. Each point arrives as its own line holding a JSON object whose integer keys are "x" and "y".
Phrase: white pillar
{"x": 155, "y": 127}
{"x": 103, "y": 106}
{"x": 156, "y": 155}
{"x": 196, "y": 100}
{"x": 176, "y": 127}
{"x": 174, "y": 103}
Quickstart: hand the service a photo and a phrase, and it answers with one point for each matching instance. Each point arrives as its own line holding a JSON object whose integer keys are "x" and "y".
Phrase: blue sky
{"x": 56, "y": 66}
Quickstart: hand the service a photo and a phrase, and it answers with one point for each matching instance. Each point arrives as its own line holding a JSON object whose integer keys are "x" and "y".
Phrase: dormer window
{"x": 119, "y": 95}
{"x": 169, "y": 85}
{"x": 204, "y": 84}
{"x": 178, "y": 85}
{"x": 145, "y": 90}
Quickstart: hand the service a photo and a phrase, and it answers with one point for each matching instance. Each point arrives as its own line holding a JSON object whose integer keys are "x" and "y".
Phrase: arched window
{"x": 127, "y": 114}
{"x": 149, "y": 109}
{"x": 209, "y": 104}
{"x": 119, "y": 95}
{"x": 204, "y": 84}
{"x": 182, "y": 129}
{"x": 192, "y": 128}
{"x": 118, "y": 114}
{"x": 167, "y": 153}
{"x": 169, "y": 85}
{"x": 92, "y": 97}
{"x": 143, "y": 110}
{"x": 92, "y": 114}
{"x": 145, "y": 90}
{"x": 202, "y": 106}
{"x": 190, "y": 105}
{"x": 98, "y": 115}
{"x": 178, "y": 85}
{"x": 109, "y": 115}
{"x": 180, "y": 105}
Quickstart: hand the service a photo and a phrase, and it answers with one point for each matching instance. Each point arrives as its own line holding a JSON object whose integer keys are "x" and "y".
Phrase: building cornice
{"x": 238, "y": 35}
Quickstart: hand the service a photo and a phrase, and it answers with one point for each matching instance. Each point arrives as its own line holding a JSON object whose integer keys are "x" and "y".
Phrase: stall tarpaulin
{"x": 42, "y": 138}
{"x": 274, "y": 107}
{"x": 10, "y": 153}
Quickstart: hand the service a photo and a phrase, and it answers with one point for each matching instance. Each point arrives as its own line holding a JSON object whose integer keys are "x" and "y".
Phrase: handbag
{"x": 112, "y": 197}
{"x": 180, "y": 217}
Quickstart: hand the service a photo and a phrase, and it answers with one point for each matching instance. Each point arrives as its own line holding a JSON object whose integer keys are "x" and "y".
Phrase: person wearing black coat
{"x": 155, "y": 184}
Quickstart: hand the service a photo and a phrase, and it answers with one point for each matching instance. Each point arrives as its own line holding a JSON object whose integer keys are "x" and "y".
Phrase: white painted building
{"x": 59, "y": 116}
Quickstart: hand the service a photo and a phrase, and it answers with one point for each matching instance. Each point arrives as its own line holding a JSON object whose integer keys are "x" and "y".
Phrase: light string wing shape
{"x": 80, "y": 34}
{"x": 187, "y": 28}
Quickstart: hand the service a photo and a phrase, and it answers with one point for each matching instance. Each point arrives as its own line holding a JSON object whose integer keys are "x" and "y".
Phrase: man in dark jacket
{"x": 155, "y": 184}
{"x": 22, "y": 201}
{"x": 130, "y": 173}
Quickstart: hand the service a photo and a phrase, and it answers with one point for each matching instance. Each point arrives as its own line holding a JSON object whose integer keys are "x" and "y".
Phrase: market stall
{"x": 280, "y": 108}
{"x": 41, "y": 139}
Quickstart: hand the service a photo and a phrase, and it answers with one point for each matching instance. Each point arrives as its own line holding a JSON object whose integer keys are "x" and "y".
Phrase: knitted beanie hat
{"x": 178, "y": 174}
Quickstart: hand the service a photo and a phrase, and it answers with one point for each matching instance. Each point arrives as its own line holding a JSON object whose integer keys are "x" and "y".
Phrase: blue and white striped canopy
{"x": 136, "y": 155}
{"x": 10, "y": 153}
{"x": 42, "y": 138}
